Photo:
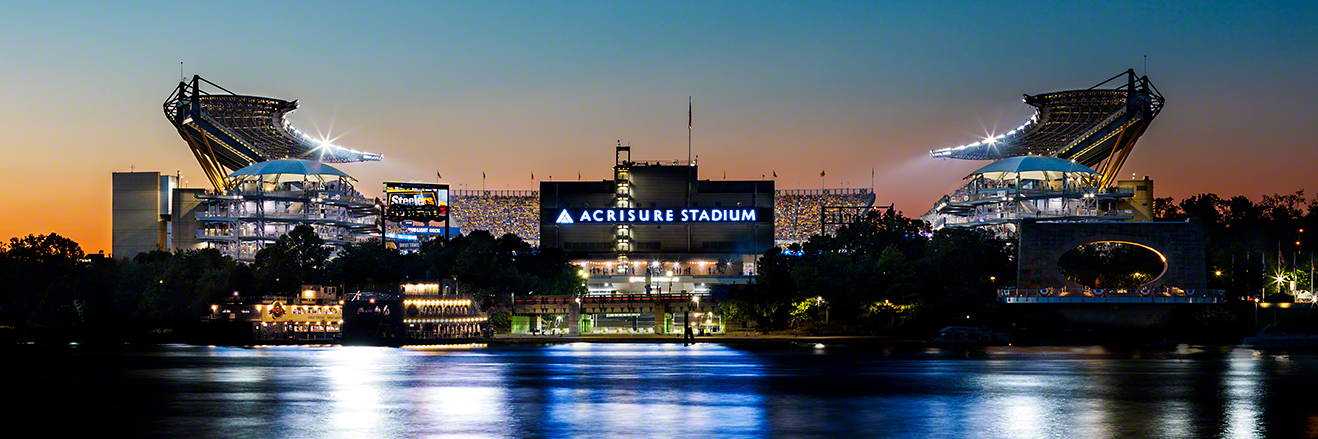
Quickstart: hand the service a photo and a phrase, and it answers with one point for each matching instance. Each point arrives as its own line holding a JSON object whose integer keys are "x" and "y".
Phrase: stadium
{"x": 266, "y": 178}
{"x": 1060, "y": 165}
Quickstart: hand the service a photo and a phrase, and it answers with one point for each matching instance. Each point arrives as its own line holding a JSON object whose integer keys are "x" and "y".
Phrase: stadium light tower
{"x": 1097, "y": 127}
{"x": 226, "y": 131}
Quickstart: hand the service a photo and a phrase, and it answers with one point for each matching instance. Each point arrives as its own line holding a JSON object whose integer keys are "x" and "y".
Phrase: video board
{"x": 416, "y": 201}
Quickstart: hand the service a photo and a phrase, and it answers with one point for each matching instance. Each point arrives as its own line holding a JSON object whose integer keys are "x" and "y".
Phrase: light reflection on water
{"x": 583, "y": 389}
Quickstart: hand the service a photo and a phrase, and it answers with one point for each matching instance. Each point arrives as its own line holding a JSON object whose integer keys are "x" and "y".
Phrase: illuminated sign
{"x": 425, "y": 230}
{"x": 412, "y": 198}
{"x": 416, "y": 201}
{"x": 301, "y": 313}
{"x": 663, "y": 216}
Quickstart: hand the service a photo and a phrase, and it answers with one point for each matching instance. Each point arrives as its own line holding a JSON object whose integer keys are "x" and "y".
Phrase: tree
{"x": 366, "y": 266}
{"x": 1284, "y": 208}
{"x": 1207, "y": 207}
{"x": 40, "y": 279}
{"x": 960, "y": 266}
{"x": 297, "y": 258}
{"x": 1240, "y": 212}
{"x": 51, "y": 248}
{"x": 1165, "y": 209}
{"x": 897, "y": 278}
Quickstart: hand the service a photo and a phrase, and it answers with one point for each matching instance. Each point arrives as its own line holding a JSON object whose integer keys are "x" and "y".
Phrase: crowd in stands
{"x": 797, "y": 213}
{"x": 499, "y": 212}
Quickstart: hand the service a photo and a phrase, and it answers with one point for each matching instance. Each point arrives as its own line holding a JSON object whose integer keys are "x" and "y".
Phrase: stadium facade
{"x": 151, "y": 212}
{"x": 798, "y": 213}
{"x": 268, "y": 199}
{"x": 653, "y": 243}
{"x": 1061, "y": 165}
{"x": 658, "y": 216}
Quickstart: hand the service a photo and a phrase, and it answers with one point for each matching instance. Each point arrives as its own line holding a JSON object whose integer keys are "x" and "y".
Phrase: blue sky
{"x": 511, "y": 88}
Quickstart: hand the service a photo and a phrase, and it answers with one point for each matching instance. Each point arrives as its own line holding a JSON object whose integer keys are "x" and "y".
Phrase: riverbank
{"x": 720, "y": 339}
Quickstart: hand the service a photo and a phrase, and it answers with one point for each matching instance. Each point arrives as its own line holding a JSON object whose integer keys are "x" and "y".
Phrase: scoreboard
{"x": 416, "y": 201}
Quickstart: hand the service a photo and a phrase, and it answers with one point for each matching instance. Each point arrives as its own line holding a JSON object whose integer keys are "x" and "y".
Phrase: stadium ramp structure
{"x": 1096, "y": 127}
{"x": 227, "y": 131}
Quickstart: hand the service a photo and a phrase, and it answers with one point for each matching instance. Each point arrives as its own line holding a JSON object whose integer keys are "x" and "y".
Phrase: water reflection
{"x": 357, "y": 385}
{"x": 669, "y": 390}
{"x": 1242, "y": 390}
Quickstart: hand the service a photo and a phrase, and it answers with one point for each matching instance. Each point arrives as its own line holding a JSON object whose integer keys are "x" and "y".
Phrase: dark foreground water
{"x": 659, "y": 390}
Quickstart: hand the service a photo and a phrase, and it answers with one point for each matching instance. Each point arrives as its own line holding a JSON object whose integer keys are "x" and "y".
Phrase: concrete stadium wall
{"x": 1042, "y": 244}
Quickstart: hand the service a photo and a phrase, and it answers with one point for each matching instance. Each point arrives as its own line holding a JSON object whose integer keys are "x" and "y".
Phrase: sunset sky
{"x": 511, "y": 88}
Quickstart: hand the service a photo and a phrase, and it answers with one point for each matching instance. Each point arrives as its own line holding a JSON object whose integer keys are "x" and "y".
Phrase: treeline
{"x": 1252, "y": 244}
{"x": 890, "y": 273}
{"x": 48, "y": 284}
{"x": 882, "y": 273}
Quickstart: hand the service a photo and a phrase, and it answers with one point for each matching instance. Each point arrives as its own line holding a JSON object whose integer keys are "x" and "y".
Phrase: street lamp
{"x": 819, "y": 302}
{"x": 670, "y": 281}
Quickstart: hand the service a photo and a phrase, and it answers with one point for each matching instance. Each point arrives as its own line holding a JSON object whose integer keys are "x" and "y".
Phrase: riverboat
{"x": 416, "y": 314}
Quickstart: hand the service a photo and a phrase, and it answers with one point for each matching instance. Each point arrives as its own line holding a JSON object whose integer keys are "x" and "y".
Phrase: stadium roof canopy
{"x": 231, "y": 131}
{"x": 1096, "y": 127}
{"x": 1031, "y": 168}
{"x": 290, "y": 166}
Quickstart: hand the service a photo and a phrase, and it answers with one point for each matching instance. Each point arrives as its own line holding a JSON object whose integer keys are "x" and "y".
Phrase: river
{"x": 661, "y": 390}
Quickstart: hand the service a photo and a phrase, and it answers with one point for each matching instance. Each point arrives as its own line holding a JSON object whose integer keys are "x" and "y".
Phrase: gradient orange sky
{"x": 514, "y": 88}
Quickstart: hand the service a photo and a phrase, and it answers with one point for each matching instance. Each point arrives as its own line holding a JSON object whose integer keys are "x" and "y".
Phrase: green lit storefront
{"x": 625, "y": 315}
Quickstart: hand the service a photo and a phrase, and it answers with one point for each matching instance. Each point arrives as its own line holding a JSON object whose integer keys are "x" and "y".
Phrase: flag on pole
{"x": 775, "y": 174}
{"x": 821, "y": 173}
{"x": 437, "y": 175}
{"x": 533, "y": 176}
{"x": 482, "y": 174}
{"x": 688, "y": 112}
{"x": 578, "y": 175}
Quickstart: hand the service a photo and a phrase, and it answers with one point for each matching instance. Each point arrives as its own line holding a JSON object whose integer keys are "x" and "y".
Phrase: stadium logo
{"x": 412, "y": 198}
{"x": 564, "y": 218}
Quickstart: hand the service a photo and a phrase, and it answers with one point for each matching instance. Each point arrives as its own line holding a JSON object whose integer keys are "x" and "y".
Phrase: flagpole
{"x": 688, "y": 131}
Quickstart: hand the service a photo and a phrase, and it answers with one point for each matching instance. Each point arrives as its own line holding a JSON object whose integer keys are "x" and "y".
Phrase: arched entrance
{"x": 1112, "y": 264}
{"x": 1179, "y": 246}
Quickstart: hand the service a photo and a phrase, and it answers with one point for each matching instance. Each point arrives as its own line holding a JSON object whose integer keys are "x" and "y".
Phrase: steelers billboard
{"x": 416, "y": 201}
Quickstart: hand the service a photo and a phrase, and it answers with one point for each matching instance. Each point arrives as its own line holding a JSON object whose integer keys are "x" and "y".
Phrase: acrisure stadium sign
{"x": 663, "y": 216}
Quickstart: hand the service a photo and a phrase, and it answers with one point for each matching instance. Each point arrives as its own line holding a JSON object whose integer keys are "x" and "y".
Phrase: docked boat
{"x": 418, "y": 314}
{"x": 1271, "y": 338}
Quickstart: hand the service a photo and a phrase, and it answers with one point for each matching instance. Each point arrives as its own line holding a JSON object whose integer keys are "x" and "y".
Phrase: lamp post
{"x": 819, "y": 303}
{"x": 584, "y": 278}
{"x": 669, "y": 274}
